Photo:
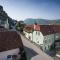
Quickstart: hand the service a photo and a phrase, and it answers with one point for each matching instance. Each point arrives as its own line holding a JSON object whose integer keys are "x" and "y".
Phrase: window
{"x": 37, "y": 41}
{"x": 48, "y": 46}
{"x": 45, "y": 41}
{"x": 14, "y": 56}
{"x": 11, "y": 56}
{"x": 56, "y": 36}
{"x": 29, "y": 37}
{"x": 45, "y": 48}
{"x": 49, "y": 41}
{"x": 38, "y": 33}
{"x": 2, "y": 22}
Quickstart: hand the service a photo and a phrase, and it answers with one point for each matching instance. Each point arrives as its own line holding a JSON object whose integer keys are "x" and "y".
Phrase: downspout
{"x": 54, "y": 38}
{"x": 54, "y": 42}
{"x": 32, "y": 34}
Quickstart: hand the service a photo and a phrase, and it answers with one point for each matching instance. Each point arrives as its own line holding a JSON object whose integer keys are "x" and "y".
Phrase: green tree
{"x": 20, "y": 26}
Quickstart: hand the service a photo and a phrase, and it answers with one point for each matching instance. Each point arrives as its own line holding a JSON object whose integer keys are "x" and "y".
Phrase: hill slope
{"x": 41, "y": 21}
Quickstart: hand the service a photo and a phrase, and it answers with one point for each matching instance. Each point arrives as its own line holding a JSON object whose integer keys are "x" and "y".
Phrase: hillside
{"x": 41, "y": 21}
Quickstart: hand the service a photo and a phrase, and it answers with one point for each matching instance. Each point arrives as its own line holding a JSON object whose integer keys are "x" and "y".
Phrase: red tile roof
{"x": 45, "y": 29}
{"x": 9, "y": 40}
{"x": 49, "y": 29}
{"x": 28, "y": 28}
{"x": 36, "y": 27}
{"x": 56, "y": 28}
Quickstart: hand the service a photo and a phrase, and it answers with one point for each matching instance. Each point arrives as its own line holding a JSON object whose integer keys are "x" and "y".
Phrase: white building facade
{"x": 44, "y": 36}
{"x": 4, "y": 23}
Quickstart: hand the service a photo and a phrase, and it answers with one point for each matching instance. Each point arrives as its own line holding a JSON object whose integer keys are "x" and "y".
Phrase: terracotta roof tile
{"x": 28, "y": 28}
{"x": 49, "y": 29}
{"x": 45, "y": 29}
{"x": 56, "y": 28}
{"x": 36, "y": 27}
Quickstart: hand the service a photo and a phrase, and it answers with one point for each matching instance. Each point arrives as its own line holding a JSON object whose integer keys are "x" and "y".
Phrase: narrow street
{"x": 33, "y": 52}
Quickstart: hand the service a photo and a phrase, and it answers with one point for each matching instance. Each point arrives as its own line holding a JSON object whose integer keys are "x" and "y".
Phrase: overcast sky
{"x": 22, "y": 9}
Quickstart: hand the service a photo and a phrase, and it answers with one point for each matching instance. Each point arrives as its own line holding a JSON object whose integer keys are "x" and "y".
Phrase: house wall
{"x": 48, "y": 41}
{"x": 57, "y": 36}
{"x": 28, "y": 35}
{"x": 3, "y": 55}
{"x": 44, "y": 41}
{"x": 38, "y": 37}
{"x": 35, "y": 36}
{"x": 57, "y": 44}
{"x": 4, "y": 23}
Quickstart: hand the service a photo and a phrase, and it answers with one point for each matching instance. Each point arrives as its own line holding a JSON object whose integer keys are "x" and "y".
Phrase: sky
{"x": 22, "y": 9}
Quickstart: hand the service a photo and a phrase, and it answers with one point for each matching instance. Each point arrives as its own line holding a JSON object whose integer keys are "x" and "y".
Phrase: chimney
{"x": 35, "y": 24}
{"x": 36, "y": 27}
